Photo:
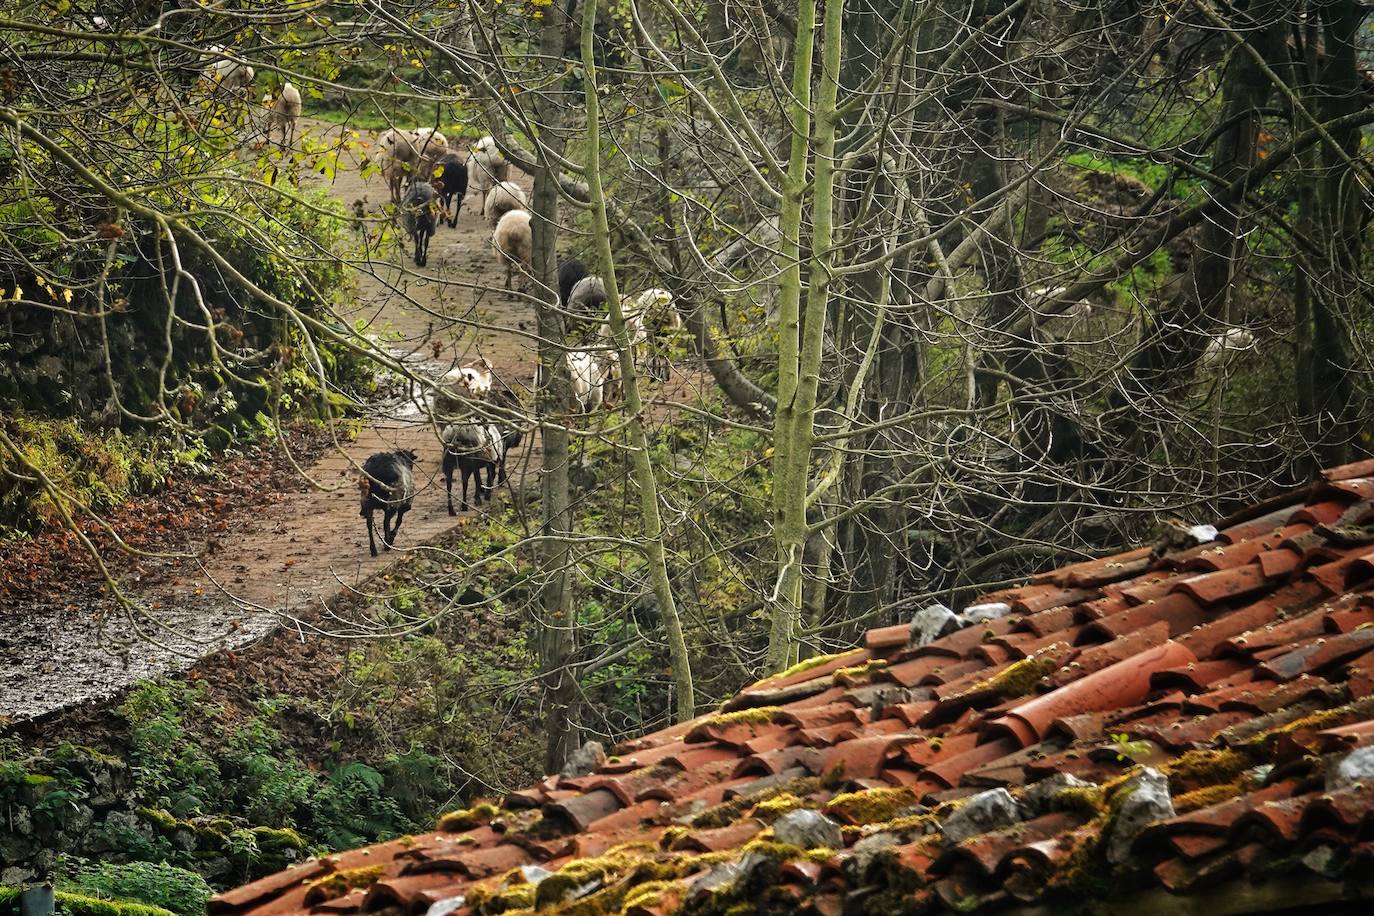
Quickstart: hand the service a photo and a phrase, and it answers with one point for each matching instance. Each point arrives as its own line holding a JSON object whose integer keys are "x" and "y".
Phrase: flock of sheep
{"x": 428, "y": 179}
{"x": 234, "y": 79}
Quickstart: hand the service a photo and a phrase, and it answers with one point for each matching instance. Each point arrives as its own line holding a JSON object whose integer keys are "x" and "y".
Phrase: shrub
{"x": 158, "y": 884}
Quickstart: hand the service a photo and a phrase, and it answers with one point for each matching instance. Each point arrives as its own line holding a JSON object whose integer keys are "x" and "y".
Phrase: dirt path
{"x": 299, "y": 550}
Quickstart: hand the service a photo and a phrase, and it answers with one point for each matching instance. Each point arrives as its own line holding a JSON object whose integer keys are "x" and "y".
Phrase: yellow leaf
{"x": 67, "y": 294}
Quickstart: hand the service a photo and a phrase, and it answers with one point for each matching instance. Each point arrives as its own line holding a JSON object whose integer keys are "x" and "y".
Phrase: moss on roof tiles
{"x": 1019, "y": 678}
{"x": 871, "y": 805}
{"x": 467, "y": 818}
{"x": 805, "y": 664}
{"x": 1207, "y": 796}
{"x": 336, "y": 884}
{"x": 727, "y": 813}
{"x": 854, "y": 674}
{"x": 1205, "y": 767}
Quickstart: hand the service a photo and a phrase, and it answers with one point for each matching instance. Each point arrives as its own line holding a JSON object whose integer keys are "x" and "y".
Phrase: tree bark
{"x": 799, "y": 356}
{"x": 556, "y": 632}
{"x": 654, "y": 552}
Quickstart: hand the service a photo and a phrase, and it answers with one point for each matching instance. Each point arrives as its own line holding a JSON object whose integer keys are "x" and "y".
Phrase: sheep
{"x": 1223, "y": 348}
{"x": 225, "y": 74}
{"x": 451, "y": 181}
{"x": 502, "y": 199}
{"x": 586, "y": 304}
{"x": 646, "y": 316}
{"x": 588, "y": 379}
{"x": 285, "y": 113}
{"x": 387, "y": 483}
{"x": 514, "y": 242}
{"x": 394, "y": 172}
{"x": 486, "y": 166}
{"x": 472, "y": 447}
{"x": 457, "y": 384}
{"x": 482, "y": 443}
{"x": 430, "y": 147}
{"x": 419, "y": 213}
{"x": 569, "y": 273}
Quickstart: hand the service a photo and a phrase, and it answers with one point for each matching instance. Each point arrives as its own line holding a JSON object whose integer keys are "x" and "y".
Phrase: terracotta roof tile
{"x": 1232, "y": 667}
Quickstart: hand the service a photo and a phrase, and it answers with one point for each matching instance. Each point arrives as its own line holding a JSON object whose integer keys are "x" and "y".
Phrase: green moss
{"x": 467, "y": 818}
{"x": 81, "y": 905}
{"x": 1019, "y": 678}
{"x": 871, "y": 805}
{"x": 648, "y": 894}
{"x": 160, "y": 819}
{"x": 805, "y": 664}
{"x": 1206, "y": 797}
{"x": 858, "y": 673}
{"x": 759, "y": 715}
{"x": 727, "y": 813}
{"x": 673, "y": 835}
{"x": 338, "y": 883}
{"x": 1205, "y": 768}
{"x": 510, "y": 895}
{"x": 1086, "y": 801}
{"x": 579, "y": 872}
{"x": 773, "y": 808}
{"x": 278, "y": 839}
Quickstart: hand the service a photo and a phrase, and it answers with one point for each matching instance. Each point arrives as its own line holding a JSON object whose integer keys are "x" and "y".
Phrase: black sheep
{"x": 451, "y": 181}
{"x": 419, "y": 213}
{"x": 387, "y": 483}
{"x": 569, "y": 272}
{"x": 473, "y": 447}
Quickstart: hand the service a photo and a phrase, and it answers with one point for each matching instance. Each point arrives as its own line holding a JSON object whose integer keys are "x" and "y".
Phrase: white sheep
{"x": 1225, "y": 347}
{"x": 502, "y": 199}
{"x": 430, "y": 147}
{"x": 486, "y": 165}
{"x": 456, "y": 385}
{"x": 228, "y": 75}
{"x": 646, "y": 315}
{"x": 588, "y": 379}
{"x": 513, "y": 240}
{"x": 284, "y": 113}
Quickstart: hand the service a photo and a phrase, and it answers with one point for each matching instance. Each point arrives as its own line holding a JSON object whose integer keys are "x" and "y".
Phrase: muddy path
{"x": 283, "y": 555}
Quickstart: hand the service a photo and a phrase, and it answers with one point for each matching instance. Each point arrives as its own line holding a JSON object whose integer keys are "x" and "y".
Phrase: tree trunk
{"x": 557, "y": 633}
{"x": 654, "y": 552}
{"x": 1342, "y": 218}
{"x": 800, "y": 356}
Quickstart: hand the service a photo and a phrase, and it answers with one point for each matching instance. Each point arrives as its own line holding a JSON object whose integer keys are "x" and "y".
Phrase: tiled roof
{"x": 1127, "y": 729}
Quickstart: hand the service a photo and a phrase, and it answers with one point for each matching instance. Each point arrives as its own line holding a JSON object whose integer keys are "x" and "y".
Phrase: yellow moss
{"x": 759, "y": 715}
{"x": 871, "y": 804}
{"x": 1086, "y": 801}
{"x": 728, "y": 812}
{"x": 611, "y": 864}
{"x": 766, "y": 845}
{"x": 1326, "y": 718}
{"x": 467, "y": 818}
{"x": 1205, "y": 767}
{"x": 672, "y": 835}
{"x": 336, "y": 884}
{"x": 858, "y": 673}
{"x": 805, "y": 664}
{"x": 1206, "y": 797}
{"x": 647, "y": 894}
{"x": 1018, "y": 678}
{"x": 907, "y": 824}
{"x": 502, "y": 898}
{"x": 773, "y": 808}
{"x": 1083, "y": 874}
